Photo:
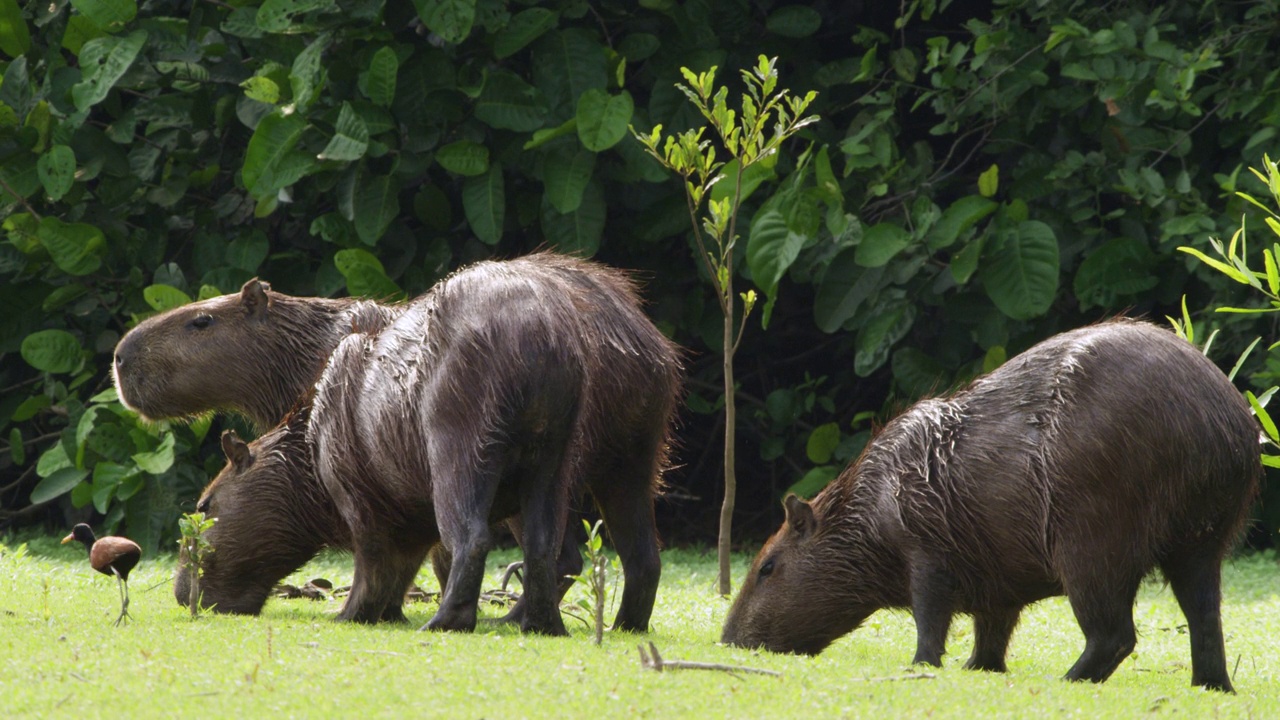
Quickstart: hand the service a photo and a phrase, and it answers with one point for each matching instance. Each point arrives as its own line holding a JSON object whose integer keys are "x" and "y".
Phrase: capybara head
{"x": 804, "y": 589}
{"x": 272, "y": 517}
{"x": 254, "y": 352}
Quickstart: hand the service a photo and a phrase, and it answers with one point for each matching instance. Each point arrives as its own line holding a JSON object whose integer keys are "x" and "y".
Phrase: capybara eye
{"x": 766, "y": 568}
{"x": 203, "y": 505}
{"x": 202, "y": 321}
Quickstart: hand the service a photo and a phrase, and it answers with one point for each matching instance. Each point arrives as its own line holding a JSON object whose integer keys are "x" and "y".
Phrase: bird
{"x": 109, "y": 555}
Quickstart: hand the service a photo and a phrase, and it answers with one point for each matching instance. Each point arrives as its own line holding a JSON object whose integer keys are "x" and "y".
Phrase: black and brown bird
{"x": 110, "y": 555}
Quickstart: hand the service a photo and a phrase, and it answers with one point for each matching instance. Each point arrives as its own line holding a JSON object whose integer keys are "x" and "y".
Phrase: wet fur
{"x": 506, "y": 390}
{"x": 1076, "y": 468}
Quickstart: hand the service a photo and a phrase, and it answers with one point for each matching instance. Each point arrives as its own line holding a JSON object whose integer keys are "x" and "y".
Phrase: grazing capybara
{"x": 504, "y": 391}
{"x": 1075, "y": 468}
{"x": 273, "y": 516}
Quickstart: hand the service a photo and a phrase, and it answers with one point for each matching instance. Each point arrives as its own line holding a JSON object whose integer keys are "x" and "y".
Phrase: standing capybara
{"x": 1074, "y": 469}
{"x": 504, "y": 391}
{"x": 253, "y": 353}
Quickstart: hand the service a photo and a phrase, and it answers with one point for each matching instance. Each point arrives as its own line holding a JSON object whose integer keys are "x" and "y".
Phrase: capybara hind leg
{"x": 991, "y": 632}
{"x": 543, "y": 507}
{"x": 1196, "y": 582}
{"x": 466, "y": 574}
{"x": 932, "y": 605}
{"x": 568, "y": 565}
{"x": 1104, "y": 608}
{"x": 623, "y": 489}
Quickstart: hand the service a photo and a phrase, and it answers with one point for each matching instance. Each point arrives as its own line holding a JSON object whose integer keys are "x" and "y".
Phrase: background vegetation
{"x": 63, "y": 658}
{"x": 984, "y": 174}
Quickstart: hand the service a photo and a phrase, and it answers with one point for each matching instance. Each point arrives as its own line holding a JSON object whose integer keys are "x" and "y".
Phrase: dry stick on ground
{"x": 896, "y": 678}
{"x": 653, "y": 661}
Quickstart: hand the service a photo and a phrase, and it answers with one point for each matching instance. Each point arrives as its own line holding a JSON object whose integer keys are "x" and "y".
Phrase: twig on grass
{"x": 653, "y": 660}
{"x": 316, "y": 646}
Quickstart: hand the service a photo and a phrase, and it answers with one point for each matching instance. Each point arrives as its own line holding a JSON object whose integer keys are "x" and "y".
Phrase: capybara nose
{"x": 124, "y": 353}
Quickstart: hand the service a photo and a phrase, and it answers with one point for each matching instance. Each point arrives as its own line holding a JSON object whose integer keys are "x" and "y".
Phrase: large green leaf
{"x": 164, "y": 297}
{"x": 307, "y": 74}
{"x": 523, "y": 28}
{"x": 450, "y": 19}
{"x": 566, "y": 175}
{"x": 248, "y": 251}
{"x": 57, "y": 170}
{"x": 576, "y": 233}
{"x": 485, "y": 204}
{"x": 880, "y": 243}
{"x": 887, "y": 323}
{"x": 464, "y": 158}
{"x": 377, "y": 202}
{"x": 350, "y": 138}
{"x": 1020, "y": 271}
{"x": 1119, "y": 268}
{"x": 58, "y": 484}
{"x": 566, "y": 64}
{"x": 365, "y": 275}
{"x": 15, "y": 38}
{"x": 103, "y": 61}
{"x": 844, "y": 288}
{"x": 603, "y": 118}
{"x": 957, "y": 218}
{"x": 794, "y": 21}
{"x": 110, "y": 15}
{"x": 54, "y": 351}
{"x": 509, "y": 103}
{"x": 76, "y": 248}
{"x": 379, "y": 82}
{"x": 277, "y": 16}
{"x": 822, "y": 443}
{"x": 158, "y": 460}
{"x": 771, "y": 249}
{"x": 270, "y": 162}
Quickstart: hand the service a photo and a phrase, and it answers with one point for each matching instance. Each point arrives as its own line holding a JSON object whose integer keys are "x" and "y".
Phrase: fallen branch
{"x": 653, "y": 660}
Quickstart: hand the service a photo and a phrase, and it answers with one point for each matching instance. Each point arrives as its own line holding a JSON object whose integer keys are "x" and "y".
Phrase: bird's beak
{"x": 68, "y": 538}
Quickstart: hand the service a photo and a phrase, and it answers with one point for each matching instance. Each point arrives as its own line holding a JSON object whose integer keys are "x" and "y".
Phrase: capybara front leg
{"x": 991, "y": 632}
{"x": 384, "y": 571}
{"x": 1104, "y": 609}
{"x": 1196, "y": 582}
{"x": 932, "y": 605}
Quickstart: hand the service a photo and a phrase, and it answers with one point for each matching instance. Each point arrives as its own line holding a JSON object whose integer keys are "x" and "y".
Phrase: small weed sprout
{"x": 193, "y": 548}
{"x": 596, "y": 578}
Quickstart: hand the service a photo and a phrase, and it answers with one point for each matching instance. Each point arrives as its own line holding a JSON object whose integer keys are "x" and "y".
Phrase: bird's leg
{"x": 124, "y": 599}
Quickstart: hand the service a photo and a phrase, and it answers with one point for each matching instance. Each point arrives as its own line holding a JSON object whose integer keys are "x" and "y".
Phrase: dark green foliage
{"x": 984, "y": 175}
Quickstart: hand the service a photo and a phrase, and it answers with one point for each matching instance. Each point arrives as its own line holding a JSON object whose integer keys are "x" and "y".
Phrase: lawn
{"x": 62, "y": 657}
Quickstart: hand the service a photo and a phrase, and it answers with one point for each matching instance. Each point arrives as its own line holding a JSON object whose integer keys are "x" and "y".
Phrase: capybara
{"x": 504, "y": 391}
{"x": 254, "y": 353}
{"x": 1075, "y": 468}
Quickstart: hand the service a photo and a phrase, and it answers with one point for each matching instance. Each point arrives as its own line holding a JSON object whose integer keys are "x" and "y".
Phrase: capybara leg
{"x": 567, "y": 565}
{"x": 932, "y": 605}
{"x": 384, "y": 571}
{"x": 543, "y": 508}
{"x": 991, "y": 632}
{"x": 1104, "y": 608}
{"x": 440, "y": 564}
{"x": 1196, "y": 582}
{"x": 466, "y": 574}
{"x": 624, "y": 491}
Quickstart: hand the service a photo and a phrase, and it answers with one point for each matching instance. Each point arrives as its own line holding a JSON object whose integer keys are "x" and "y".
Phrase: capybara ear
{"x": 253, "y": 296}
{"x": 237, "y": 450}
{"x": 799, "y": 515}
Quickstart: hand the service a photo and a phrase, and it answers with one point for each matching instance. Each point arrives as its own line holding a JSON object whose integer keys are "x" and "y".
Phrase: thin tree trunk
{"x": 730, "y": 476}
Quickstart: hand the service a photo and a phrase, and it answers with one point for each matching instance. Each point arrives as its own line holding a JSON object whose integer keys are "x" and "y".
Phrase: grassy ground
{"x": 61, "y": 657}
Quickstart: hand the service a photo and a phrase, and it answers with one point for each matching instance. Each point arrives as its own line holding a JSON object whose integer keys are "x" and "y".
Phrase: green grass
{"x": 61, "y": 657}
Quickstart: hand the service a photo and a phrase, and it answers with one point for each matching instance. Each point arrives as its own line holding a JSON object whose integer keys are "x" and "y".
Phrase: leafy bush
{"x": 984, "y": 175}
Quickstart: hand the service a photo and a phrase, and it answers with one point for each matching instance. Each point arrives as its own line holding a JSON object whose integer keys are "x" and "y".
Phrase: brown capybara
{"x": 1073, "y": 469}
{"x": 504, "y": 391}
{"x": 253, "y": 353}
